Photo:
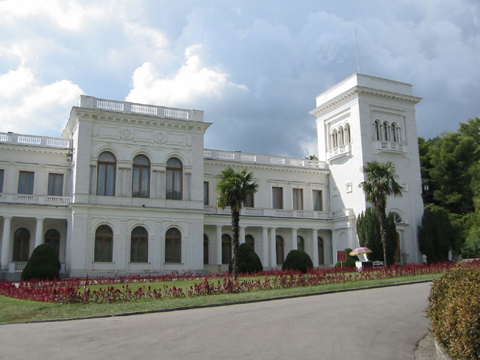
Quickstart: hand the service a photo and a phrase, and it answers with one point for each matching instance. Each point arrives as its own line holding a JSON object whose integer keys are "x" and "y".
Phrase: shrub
{"x": 350, "y": 260}
{"x": 42, "y": 265}
{"x": 298, "y": 260}
{"x": 248, "y": 260}
{"x": 454, "y": 311}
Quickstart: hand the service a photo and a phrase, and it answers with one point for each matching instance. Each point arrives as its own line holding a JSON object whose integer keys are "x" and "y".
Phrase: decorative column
{"x": 265, "y": 247}
{"x": 294, "y": 239}
{"x": 315, "y": 247}
{"x": 334, "y": 247}
{"x": 242, "y": 235}
{"x": 93, "y": 179}
{"x": 5, "y": 242}
{"x": 219, "y": 245}
{"x": 273, "y": 247}
{"x": 39, "y": 232}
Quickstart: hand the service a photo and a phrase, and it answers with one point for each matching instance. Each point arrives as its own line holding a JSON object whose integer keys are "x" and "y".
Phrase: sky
{"x": 254, "y": 67}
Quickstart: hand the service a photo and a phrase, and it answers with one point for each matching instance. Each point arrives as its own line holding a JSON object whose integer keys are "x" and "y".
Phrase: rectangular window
{"x": 25, "y": 182}
{"x": 249, "y": 201}
{"x": 277, "y": 197}
{"x": 55, "y": 184}
{"x": 2, "y": 172}
{"x": 317, "y": 200}
{"x": 297, "y": 199}
{"x": 205, "y": 193}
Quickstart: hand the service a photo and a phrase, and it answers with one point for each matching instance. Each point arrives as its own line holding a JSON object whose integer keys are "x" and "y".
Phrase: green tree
{"x": 233, "y": 189}
{"x": 368, "y": 231}
{"x": 436, "y": 235}
{"x": 248, "y": 260}
{"x": 311, "y": 157}
{"x": 381, "y": 183}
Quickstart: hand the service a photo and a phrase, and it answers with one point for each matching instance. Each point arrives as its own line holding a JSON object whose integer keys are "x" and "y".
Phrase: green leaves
{"x": 233, "y": 188}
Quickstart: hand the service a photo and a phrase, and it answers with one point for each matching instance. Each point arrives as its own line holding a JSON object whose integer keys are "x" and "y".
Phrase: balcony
{"x": 39, "y": 141}
{"x": 238, "y": 156}
{"x": 391, "y": 147}
{"x": 339, "y": 152}
{"x": 141, "y": 109}
{"x": 35, "y": 199}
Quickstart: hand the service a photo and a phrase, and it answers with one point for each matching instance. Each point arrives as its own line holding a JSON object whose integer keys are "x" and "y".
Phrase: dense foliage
{"x": 43, "y": 264}
{"x": 297, "y": 260}
{"x": 454, "y": 311}
{"x": 450, "y": 166}
{"x": 368, "y": 231}
{"x": 248, "y": 260}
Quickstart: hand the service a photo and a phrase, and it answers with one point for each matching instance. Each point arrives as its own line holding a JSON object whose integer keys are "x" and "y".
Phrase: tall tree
{"x": 381, "y": 183}
{"x": 436, "y": 234}
{"x": 233, "y": 189}
{"x": 368, "y": 231}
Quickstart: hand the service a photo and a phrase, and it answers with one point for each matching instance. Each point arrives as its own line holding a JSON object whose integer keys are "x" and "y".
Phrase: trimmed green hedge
{"x": 42, "y": 265}
{"x": 454, "y": 312}
{"x": 248, "y": 260}
{"x": 297, "y": 260}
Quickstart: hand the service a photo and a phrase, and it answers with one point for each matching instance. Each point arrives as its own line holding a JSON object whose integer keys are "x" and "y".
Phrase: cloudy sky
{"x": 253, "y": 66}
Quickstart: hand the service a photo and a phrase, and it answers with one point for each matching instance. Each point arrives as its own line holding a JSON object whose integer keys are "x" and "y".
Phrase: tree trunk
{"x": 236, "y": 242}
{"x": 383, "y": 235}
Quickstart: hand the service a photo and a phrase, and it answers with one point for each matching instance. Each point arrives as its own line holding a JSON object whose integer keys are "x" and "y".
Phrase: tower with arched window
{"x": 364, "y": 119}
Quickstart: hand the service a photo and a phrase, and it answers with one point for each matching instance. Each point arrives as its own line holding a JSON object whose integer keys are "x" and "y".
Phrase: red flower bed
{"x": 79, "y": 290}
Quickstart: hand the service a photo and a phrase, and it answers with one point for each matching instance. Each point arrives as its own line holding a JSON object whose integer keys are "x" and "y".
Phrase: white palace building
{"x": 130, "y": 189}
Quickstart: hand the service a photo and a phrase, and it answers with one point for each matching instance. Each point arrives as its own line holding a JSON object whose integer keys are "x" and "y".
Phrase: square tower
{"x": 363, "y": 119}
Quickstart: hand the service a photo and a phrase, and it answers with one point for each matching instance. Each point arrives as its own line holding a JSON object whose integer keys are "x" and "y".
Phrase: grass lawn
{"x": 14, "y": 310}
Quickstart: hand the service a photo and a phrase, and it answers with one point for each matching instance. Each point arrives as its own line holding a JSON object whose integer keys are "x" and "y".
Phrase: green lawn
{"x": 13, "y": 310}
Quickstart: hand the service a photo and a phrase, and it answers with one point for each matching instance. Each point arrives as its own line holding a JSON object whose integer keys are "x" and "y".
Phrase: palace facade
{"x": 130, "y": 188}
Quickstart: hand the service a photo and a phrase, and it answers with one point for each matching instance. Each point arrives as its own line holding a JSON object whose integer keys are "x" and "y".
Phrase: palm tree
{"x": 381, "y": 183}
{"x": 233, "y": 189}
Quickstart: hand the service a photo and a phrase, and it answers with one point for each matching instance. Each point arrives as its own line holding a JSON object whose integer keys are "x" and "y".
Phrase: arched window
{"x": 173, "y": 246}
{"x": 226, "y": 249}
{"x": 341, "y": 134}
{"x": 103, "y": 244}
{"x": 249, "y": 240}
{"x": 106, "y": 174}
{"x": 141, "y": 177}
{"x": 174, "y": 179}
{"x": 348, "y": 137}
{"x": 280, "y": 249}
{"x": 321, "y": 251}
{"x": 52, "y": 238}
{"x": 376, "y": 130}
{"x": 139, "y": 245}
{"x": 334, "y": 138}
{"x": 21, "y": 245}
{"x": 394, "y": 132}
{"x": 385, "y": 131}
{"x": 300, "y": 243}
{"x": 205, "y": 249}
{"x": 397, "y": 218}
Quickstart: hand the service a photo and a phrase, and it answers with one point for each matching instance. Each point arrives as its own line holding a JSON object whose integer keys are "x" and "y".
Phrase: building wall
{"x": 127, "y": 130}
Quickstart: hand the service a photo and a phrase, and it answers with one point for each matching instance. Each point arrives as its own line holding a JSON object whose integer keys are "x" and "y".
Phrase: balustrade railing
{"x": 143, "y": 109}
{"x": 238, "y": 156}
{"x": 284, "y": 213}
{"x": 29, "y": 140}
{"x": 35, "y": 199}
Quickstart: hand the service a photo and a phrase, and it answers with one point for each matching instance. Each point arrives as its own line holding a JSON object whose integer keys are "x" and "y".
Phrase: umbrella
{"x": 360, "y": 251}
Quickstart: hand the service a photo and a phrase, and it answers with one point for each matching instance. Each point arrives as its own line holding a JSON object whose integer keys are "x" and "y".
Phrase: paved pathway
{"x": 382, "y": 324}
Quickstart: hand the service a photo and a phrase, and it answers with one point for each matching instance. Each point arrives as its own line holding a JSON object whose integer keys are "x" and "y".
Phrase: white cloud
{"x": 70, "y": 15}
{"x": 192, "y": 80}
{"x": 29, "y": 107}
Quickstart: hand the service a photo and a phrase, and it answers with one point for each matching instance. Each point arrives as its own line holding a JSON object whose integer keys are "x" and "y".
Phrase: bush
{"x": 454, "y": 312}
{"x": 248, "y": 260}
{"x": 298, "y": 260}
{"x": 42, "y": 265}
{"x": 350, "y": 260}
